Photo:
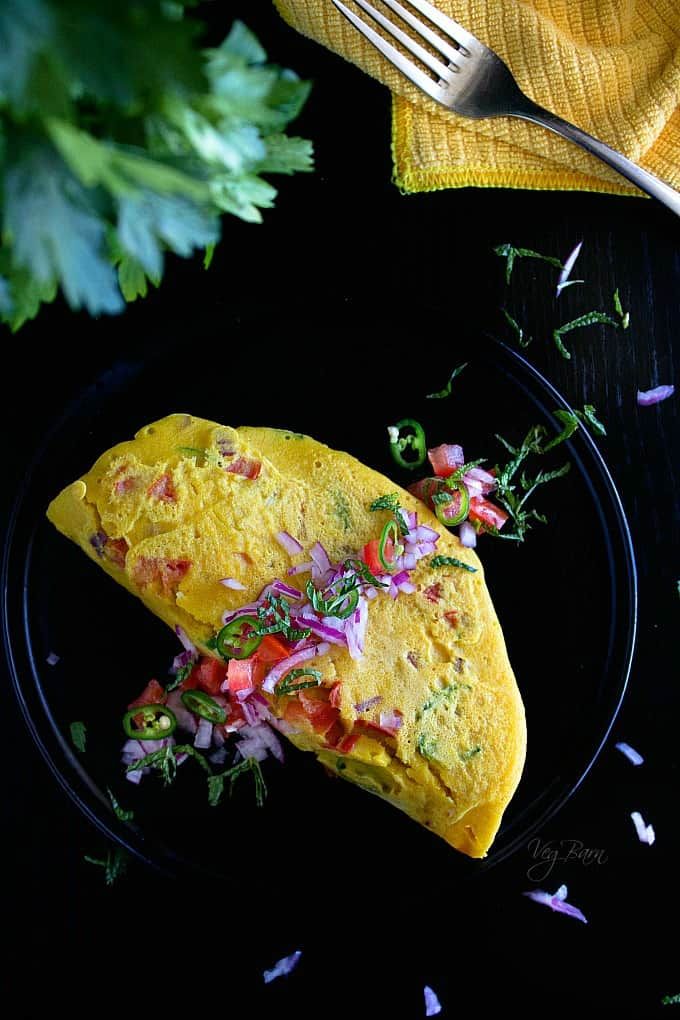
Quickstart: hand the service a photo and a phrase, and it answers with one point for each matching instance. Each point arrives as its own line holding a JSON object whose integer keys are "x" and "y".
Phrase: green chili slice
{"x": 408, "y": 437}
{"x": 202, "y": 704}
{"x": 287, "y": 687}
{"x": 390, "y": 533}
{"x": 155, "y": 722}
{"x": 459, "y": 503}
{"x": 238, "y": 639}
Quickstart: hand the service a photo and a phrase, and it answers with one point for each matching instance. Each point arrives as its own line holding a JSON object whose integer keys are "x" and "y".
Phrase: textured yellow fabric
{"x": 612, "y": 67}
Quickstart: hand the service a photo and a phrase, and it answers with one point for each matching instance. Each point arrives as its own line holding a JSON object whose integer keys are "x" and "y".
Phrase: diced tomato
{"x": 116, "y": 549}
{"x": 348, "y": 743}
{"x": 334, "y": 694}
{"x": 334, "y": 735}
{"x": 320, "y": 713}
{"x": 272, "y": 649}
{"x": 166, "y": 574}
{"x": 153, "y": 694}
{"x": 209, "y": 675}
{"x": 434, "y": 592}
{"x": 445, "y": 459}
{"x": 235, "y": 716}
{"x": 451, "y": 617}
{"x": 124, "y": 485}
{"x": 294, "y": 712}
{"x": 485, "y": 512}
{"x": 423, "y": 489}
{"x": 163, "y": 489}
{"x": 240, "y": 674}
{"x": 371, "y": 555}
{"x": 245, "y": 466}
{"x": 371, "y": 729}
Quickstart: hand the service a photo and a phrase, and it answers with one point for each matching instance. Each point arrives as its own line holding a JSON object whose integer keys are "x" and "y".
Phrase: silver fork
{"x": 473, "y": 81}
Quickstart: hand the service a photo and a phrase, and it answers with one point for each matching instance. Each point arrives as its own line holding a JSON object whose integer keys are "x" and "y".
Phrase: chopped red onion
{"x": 218, "y": 757}
{"x": 391, "y": 721}
{"x": 659, "y": 393}
{"x": 467, "y": 535}
{"x": 218, "y": 736}
{"x": 244, "y": 693}
{"x": 567, "y": 268}
{"x": 52, "y": 659}
{"x": 301, "y": 568}
{"x": 332, "y": 634}
{"x": 282, "y": 967}
{"x": 185, "y": 719}
{"x": 251, "y": 744}
{"x": 631, "y": 754}
{"x": 411, "y": 519}
{"x": 134, "y": 775}
{"x": 181, "y": 660}
{"x": 285, "y": 589}
{"x": 423, "y": 534}
{"x": 150, "y": 746}
{"x": 250, "y": 714}
{"x": 186, "y": 640}
{"x": 432, "y": 1004}
{"x": 363, "y": 706}
{"x": 322, "y": 564}
{"x": 397, "y": 579}
{"x": 231, "y": 582}
{"x": 98, "y": 541}
{"x": 356, "y": 629}
{"x": 203, "y": 738}
{"x": 290, "y": 544}
{"x": 645, "y": 833}
{"x": 407, "y": 588}
{"x": 292, "y": 662}
{"x": 557, "y": 902}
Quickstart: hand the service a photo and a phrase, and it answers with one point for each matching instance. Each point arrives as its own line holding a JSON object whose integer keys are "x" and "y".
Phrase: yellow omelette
{"x": 188, "y": 502}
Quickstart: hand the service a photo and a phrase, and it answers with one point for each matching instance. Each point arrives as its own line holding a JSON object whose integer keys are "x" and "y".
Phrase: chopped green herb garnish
{"x": 506, "y": 493}
{"x": 216, "y": 783}
{"x": 671, "y": 1000}
{"x": 390, "y": 502}
{"x": 340, "y": 604}
{"x": 510, "y": 253}
{"x": 589, "y": 319}
{"x": 446, "y": 392}
{"x": 570, "y": 424}
{"x": 451, "y": 561}
{"x": 427, "y": 746}
{"x": 114, "y": 864}
{"x": 463, "y": 470}
{"x": 180, "y": 676}
{"x": 362, "y": 572}
{"x": 446, "y": 693}
{"x": 288, "y": 687}
{"x": 274, "y": 618}
{"x": 78, "y": 735}
{"x": 618, "y": 308}
{"x": 441, "y": 498}
{"x": 466, "y": 755}
{"x": 208, "y": 256}
{"x": 522, "y": 340}
{"x": 200, "y": 454}
{"x": 121, "y": 813}
{"x": 341, "y": 509}
{"x": 588, "y": 414}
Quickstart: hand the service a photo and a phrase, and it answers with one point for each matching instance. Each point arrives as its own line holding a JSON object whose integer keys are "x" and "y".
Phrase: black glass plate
{"x": 566, "y": 598}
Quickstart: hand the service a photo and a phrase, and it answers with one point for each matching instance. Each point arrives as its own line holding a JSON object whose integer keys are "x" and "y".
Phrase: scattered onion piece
{"x": 203, "y": 738}
{"x": 645, "y": 833}
{"x": 631, "y": 754}
{"x": 391, "y": 721}
{"x": 187, "y": 643}
{"x": 363, "y": 706}
{"x": 432, "y": 1003}
{"x": 231, "y": 582}
{"x": 290, "y": 544}
{"x": 566, "y": 270}
{"x": 557, "y": 902}
{"x": 646, "y": 398}
{"x": 467, "y": 535}
{"x": 52, "y": 659}
{"x": 282, "y": 967}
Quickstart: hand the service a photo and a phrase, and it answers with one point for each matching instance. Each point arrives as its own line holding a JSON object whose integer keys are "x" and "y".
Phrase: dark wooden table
{"x": 345, "y": 237}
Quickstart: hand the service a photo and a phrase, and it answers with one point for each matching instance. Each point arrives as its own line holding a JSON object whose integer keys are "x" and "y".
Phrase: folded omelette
{"x": 189, "y": 502}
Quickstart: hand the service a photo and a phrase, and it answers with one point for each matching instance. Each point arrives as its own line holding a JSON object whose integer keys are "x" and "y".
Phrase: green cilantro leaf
{"x": 589, "y": 319}
{"x": 618, "y": 308}
{"x": 451, "y": 561}
{"x": 510, "y": 253}
{"x": 446, "y": 392}
{"x": 115, "y": 864}
{"x": 121, "y": 813}
{"x": 216, "y": 782}
{"x": 79, "y": 735}
{"x": 389, "y": 502}
{"x": 522, "y": 340}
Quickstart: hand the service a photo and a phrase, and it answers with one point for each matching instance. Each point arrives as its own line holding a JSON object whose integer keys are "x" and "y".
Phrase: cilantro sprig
{"x": 115, "y": 864}
{"x": 451, "y": 561}
{"x": 165, "y": 761}
{"x": 510, "y": 253}
{"x": 446, "y": 392}
{"x": 122, "y": 142}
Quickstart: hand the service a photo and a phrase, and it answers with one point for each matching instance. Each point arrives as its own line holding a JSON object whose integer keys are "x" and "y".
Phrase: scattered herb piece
{"x": 671, "y": 1000}
{"x": 510, "y": 253}
{"x": 180, "y": 676}
{"x": 78, "y": 735}
{"x": 389, "y": 502}
{"x": 274, "y": 618}
{"x": 446, "y": 693}
{"x": 115, "y": 863}
{"x": 618, "y": 308}
{"x": 341, "y": 509}
{"x": 446, "y": 392}
{"x": 517, "y": 329}
{"x": 589, "y": 319}
{"x": 427, "y": 746}
{"x": 451, "y": 561}
{"x": 216, "y": 783}
{"x": 121, "y": 813}
{"x": 472, "y": 753}
{"x": 288, "y": 687}
{"x": 506, "y": 493}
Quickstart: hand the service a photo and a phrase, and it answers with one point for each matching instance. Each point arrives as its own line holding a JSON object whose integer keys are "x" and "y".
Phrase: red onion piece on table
{"x": 648, "y": 397}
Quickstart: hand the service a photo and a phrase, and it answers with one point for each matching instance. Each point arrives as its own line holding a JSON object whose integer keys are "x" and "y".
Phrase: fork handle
{"x": 641, "y": 178}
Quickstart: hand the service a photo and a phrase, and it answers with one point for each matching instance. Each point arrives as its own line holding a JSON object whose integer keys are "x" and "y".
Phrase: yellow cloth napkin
{"x": 610, "y": 66}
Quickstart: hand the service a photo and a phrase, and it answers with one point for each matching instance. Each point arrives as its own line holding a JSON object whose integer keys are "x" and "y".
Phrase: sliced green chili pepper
{"x": 390, "y": 532}
{"x": 238, "y": 639}
{"x": 156, "y": 722}
{"x": 203, "y": 705}
{"x": 441, "y": 504}
{"x": 286, "y": 687}
{"x": 408, "y": 435}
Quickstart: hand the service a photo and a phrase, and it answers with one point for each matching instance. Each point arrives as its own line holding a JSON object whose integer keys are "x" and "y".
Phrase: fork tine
{"x": 450, "y": 52}
{"x": 406, "y": 66}
{"x": 448, "y": 25}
